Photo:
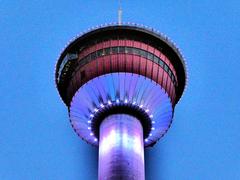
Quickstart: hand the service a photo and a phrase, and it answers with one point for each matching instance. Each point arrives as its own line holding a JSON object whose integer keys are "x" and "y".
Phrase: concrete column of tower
{"x": 121, "y": 148}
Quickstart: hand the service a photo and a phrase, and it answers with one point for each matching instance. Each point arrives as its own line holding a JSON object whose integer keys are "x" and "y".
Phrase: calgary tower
{"x": 121, "y": 84}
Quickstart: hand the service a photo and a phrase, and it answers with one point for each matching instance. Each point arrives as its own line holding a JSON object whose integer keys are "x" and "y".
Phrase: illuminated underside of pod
{"x": 121, "y": 89}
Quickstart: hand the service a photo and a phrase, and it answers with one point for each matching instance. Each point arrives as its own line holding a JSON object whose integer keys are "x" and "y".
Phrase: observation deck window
{"x": 65, "y": 64}
{"x": 128, "y": 50}
{"x": 121, "y": 49}
{"x": 115, "y": 50}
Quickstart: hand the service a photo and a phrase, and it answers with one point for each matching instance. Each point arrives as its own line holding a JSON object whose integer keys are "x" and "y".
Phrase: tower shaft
{"x": 121, "y": 148}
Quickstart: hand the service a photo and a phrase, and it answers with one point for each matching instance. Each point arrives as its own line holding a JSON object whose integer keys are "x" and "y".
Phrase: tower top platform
{"x": 124, "y": 31}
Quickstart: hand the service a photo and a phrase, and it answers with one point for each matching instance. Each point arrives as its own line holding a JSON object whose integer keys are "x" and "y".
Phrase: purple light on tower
{"x": 121, "y": 153}
{"x": 121, "y": 84}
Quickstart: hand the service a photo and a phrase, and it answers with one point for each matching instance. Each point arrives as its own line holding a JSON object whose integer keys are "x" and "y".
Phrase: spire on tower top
{"x": 119, "y": 13}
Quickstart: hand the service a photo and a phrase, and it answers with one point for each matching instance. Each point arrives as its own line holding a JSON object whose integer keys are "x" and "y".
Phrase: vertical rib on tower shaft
{"x": 121, "y": 150}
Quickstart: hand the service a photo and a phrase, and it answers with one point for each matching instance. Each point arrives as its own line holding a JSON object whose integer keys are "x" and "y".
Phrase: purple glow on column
{"x": 121, "y": 148}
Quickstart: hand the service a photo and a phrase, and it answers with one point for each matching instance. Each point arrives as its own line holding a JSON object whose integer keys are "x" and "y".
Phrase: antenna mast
{"x": 119, "y": 13}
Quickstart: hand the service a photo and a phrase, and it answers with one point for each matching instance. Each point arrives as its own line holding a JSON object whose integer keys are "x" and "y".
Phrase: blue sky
{"x": 36, "y": 139}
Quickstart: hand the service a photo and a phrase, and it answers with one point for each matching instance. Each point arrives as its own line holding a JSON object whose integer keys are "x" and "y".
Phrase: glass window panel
{"x": 93, "y": 55}
{"x": 150, "y": 56}
{"x": 161, "y": 63}
{"x": 129, "y": 50}
{"x": 166, "y": 68}
{"x": 107, "y": 51}
{"x": 172, "y": 77}
{"x": 136, "y": 51}
{"x": 99, "y": 53}
{"x": 103, "y": 52}
{"x": 121, "y": 49}
{"x": 115, "y": 50}
{"x": 88, "y": 58}
{"x": 155, "y": 59}
{"x": 143, "y": 53}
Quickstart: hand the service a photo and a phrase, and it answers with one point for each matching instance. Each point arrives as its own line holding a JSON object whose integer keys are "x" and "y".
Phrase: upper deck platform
{"x": 130, "y": 32}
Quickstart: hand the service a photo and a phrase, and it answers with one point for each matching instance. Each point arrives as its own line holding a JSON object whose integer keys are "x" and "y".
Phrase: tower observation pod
{"x": 121, "y": 84}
